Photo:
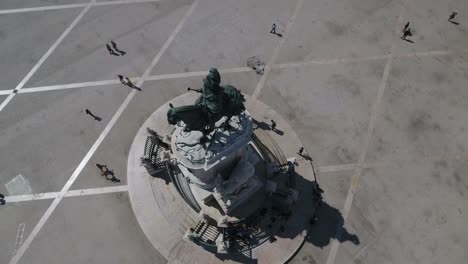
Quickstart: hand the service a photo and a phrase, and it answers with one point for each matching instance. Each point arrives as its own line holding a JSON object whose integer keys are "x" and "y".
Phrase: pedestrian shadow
{"x": 305, "y": 156}
{"x": 454, "y": 22}
{"x": 260, "y": 125}
{"x": 409, "y": 40}
{"x": 265, "y": 126}
{"x": 278, "y": 131}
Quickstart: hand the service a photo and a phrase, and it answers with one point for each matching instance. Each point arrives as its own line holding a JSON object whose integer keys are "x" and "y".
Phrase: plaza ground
{"x": 383, "y": 119}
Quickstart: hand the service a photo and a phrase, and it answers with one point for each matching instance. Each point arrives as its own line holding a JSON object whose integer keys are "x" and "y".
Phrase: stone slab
{"x": 92, "y": 229}
{"x": 140, "y": 29}
{"x": 20, "y": 51}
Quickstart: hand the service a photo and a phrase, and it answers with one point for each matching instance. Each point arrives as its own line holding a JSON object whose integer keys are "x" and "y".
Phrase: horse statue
{"x": 193, "y": 117}
{"x": 214, "y": 103}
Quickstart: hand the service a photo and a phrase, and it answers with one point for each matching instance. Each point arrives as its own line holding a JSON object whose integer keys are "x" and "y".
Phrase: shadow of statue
{"x": 323, "y": 221}
{"x": 310, "y": 219}
{"x": 329, "y": 225}
{"x": 310, "y": 216}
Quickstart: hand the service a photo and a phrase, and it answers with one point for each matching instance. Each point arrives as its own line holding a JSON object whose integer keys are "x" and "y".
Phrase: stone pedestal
{"x": 162, "y": 210}
{"x": 221, "y": 171}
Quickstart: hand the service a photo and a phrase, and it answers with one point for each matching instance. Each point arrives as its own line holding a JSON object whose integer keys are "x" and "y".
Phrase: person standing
{"x": 121, "y": 78}
{"x": 103, "y": 168}
{"x": 114, "y": 45}
{"x": 131, "y": 85}
{"x": 406, "y": 27}
{"x": 273, "y": 29}
{"x": 113, "y": 178}
{"x": 406, "y": 33}
{"x": 273, "y": 125}
{"x": 111, "y": 51}
{"x": 88, "y": 112}
{"x": 452, "y": 16}
{"x": 301, "y": 150}
{"x": 107, "y": 172}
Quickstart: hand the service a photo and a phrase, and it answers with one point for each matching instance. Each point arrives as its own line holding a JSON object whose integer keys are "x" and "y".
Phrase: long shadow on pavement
{"x": 324, "y": 221}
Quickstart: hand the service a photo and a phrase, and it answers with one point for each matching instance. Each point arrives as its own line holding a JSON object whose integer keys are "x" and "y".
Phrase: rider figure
{"x": 211, "y": 98}
{"x": 214, "y": 102}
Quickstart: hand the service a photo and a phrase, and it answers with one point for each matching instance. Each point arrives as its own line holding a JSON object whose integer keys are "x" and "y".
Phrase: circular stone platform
{"x": 165, "y": 217}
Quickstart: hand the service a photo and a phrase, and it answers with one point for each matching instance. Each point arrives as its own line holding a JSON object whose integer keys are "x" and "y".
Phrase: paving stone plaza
{"x": 383, "y": 120}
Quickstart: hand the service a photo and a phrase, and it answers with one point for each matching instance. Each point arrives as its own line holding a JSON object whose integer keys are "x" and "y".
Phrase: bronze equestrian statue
{"x": 214, "y": 102}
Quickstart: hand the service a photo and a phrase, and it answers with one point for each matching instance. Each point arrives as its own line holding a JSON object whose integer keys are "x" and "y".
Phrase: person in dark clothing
{"x": 126, "y": 81}
{"x": 273, "y": 125}
{"x": 121, "y": 78}
{"x": 406, "y": 27}
{"x": 103, "y": 169}
{"x": 106, "y": 172}
{"x": 406, "y": 33}
{"x": 129, "y": 82}
{"x": 301, "y": 150}
{"x": 111, "y": 51}
{"x": 273, "y": 29}
{"x": 112, "y": 178}
{"x": 452, "y": 16}
{"x": 114, "y": 45}
{"x": 91, "y": 114}
{"x": 131, "y": 85}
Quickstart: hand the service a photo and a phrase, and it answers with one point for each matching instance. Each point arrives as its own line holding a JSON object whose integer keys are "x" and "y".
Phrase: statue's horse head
{"x": 172, "y": 117}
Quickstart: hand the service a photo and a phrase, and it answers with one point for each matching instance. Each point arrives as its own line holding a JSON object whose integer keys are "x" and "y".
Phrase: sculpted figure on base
{"x": 214, "y": 102}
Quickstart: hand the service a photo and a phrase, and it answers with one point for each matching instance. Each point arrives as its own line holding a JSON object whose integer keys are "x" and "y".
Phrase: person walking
{"x": 131, "y": 85}
{"x": 406, "y": 27}
{"x": 301, "y": 150}
{"x": 273, "y": 29}
{"x": 114, "y": 45}
{"x": 111, "y": 51}
{"x": 121, "y": 78}
{"x": 107, "y": 172}
{"x": 103, "y": 168}
{"x": 113, "y": 178}
{"x": 273, "y": 125}
{"x": 406, "y": 33}
{"x": 88, "y": 112}
{"x": 452, "y": 16}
